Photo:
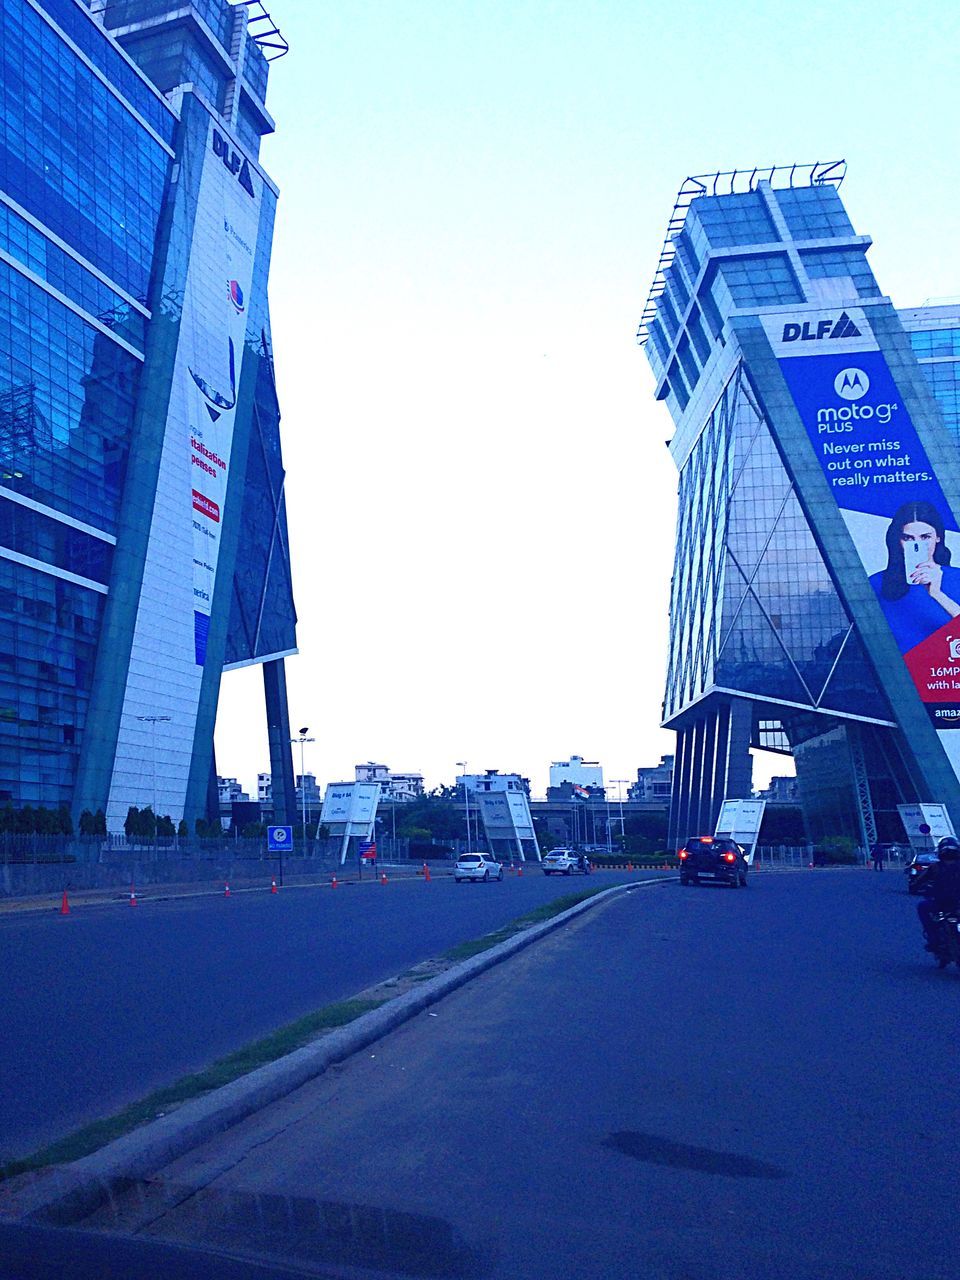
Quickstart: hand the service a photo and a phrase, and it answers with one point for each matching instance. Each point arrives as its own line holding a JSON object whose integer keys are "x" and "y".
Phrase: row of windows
{"x": 74, "y": 157}
{"x": 814, "y": 213}
{"x": 928, "y": 343}
{"x": 48, "y": 630}
{"x": 52, "y": 542}
{"x": 821, "y": 264}
{"x": 720, "y": 221}
{"x": 67, "y": 394}
{"x": 758, "y": 280}
{"x": 88, "y": 37}
{"x": 44, "y": 258}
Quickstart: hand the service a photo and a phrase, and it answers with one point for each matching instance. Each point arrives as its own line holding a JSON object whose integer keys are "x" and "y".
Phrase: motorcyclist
{"x": 942, "y": 890}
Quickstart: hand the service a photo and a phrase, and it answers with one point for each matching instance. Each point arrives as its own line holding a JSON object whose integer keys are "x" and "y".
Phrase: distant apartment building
{"x": 306, "y": 781}
{"x": 781, "y": 791}
{"x": 492, "y": 781}
{"x": 398, "y": 788}
{"x": 577, "y": 771}
{"x": 653, "y": 782}
{"x": 230, "y": 792}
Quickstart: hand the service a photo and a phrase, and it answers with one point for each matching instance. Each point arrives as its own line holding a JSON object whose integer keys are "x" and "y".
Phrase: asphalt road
{"x": 102, "y": 1006}
{"x": 687, "y": 1084}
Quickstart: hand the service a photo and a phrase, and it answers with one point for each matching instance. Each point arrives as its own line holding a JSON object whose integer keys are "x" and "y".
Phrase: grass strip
{"x": 276, "y": 1045}
{"x": 465, "y": 950}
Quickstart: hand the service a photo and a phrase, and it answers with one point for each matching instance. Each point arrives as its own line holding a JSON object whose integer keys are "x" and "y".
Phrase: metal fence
{"x": 16, "y": 848}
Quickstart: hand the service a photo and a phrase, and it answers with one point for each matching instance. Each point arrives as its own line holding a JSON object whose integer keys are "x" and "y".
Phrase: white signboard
{"x": 934, "y": 816}
{"x": 740, "y": 820}
{"x": 349, "y": 808}
{"x": 506, "y": 816}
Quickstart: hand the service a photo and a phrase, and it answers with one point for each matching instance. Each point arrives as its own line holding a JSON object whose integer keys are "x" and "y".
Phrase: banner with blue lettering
{"x": 907, "y": 537}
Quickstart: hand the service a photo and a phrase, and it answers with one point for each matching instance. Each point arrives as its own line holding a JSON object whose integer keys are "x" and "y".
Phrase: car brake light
{"x": 681, "y": 854}
{"x": 729, "y": 857}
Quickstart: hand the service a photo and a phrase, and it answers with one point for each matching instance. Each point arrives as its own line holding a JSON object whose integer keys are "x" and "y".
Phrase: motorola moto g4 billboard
{"x": 906, "y": 535}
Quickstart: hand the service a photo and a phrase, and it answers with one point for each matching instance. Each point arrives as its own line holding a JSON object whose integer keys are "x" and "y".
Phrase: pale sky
{"x": 473, "y": 198}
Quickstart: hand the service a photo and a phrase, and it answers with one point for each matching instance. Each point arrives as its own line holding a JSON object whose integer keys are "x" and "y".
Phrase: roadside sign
{"x": 925, "y": 824}
{"x": 280, "y": 839}
{"x": 741, "y": 821}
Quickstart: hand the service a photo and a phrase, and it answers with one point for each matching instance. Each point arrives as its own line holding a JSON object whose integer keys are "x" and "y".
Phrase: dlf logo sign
{"x": 234, "y": 162}
{"x": 842, "y": 327}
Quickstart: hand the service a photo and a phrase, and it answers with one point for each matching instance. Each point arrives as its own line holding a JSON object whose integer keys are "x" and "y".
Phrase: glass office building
{"x": 816, "y": 433}
{"x": 143, "y": 539}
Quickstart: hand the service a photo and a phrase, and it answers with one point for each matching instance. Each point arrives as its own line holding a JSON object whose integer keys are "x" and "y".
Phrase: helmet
{"x": 948, "y": 850}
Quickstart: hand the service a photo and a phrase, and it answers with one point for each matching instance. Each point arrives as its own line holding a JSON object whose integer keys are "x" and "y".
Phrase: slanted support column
{"x": 278, "y": 732}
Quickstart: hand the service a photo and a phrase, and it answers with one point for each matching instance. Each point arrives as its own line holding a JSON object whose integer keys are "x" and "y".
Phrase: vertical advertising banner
{"x": 906, "y": 536}
{"x": 186, "y": 523}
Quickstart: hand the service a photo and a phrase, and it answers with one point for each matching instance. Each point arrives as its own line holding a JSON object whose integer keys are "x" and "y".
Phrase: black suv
{"x": 713, "y": 858}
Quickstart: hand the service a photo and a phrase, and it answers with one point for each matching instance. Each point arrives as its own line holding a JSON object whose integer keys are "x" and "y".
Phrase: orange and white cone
{"x": 64, "y": 905}
{"x": 133, "y": 896}
{"x": 273, "y": 886}
{"x": 226, "y": 891}
{"x": 333, "y": 883}
{"x": 426, "y": 874}
{"x": 383, "y": 877}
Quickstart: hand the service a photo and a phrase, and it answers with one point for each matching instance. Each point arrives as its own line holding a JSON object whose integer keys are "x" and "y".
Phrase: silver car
{"x": 477, "y": 866}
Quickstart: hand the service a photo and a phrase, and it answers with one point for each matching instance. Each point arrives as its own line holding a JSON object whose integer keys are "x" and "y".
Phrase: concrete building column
{"x": 278, "y": 733}
{"x": 680, "y": 794}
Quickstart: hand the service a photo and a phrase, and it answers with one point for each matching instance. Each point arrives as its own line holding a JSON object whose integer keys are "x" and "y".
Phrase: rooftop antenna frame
{"x": 267, "y": 36}
{"x": 741, "y": 181}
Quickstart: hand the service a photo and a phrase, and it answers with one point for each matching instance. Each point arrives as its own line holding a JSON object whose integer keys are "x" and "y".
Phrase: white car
{"x": 477, "y": 866}
{"x": 563, "y": 862}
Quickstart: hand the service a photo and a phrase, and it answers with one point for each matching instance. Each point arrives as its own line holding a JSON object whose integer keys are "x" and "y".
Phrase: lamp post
{"x": 462, "y": 765}
{"x": 154, "y": 721}
{"x": 303, "y": 740}
{"x": 617, "y": 783}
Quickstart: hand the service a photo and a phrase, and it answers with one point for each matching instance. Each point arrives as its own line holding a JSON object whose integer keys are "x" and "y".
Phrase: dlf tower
{"x": 143, "y": 548}
{"x": 815, "y": 606}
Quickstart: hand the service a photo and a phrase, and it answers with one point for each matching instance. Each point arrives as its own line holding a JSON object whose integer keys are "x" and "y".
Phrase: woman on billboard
{"x": 919, "y": 589}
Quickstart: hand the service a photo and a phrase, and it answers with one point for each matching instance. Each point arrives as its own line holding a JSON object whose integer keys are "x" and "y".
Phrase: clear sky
{"x": 473, "y": 198}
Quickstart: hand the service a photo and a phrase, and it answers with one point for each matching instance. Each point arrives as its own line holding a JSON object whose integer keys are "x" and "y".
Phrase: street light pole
{"x": 153, "y": 721}
{"x": 617, "y": 782}
{"x": 462, "y": 765}
{"x": 303, "y": 740}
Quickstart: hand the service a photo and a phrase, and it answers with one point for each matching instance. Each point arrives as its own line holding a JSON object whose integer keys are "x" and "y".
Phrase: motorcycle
{"x": 919, "y": 871}
{"x": 945, "y": 938}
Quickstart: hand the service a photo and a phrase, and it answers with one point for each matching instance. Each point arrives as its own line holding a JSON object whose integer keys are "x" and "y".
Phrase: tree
{"x": 182, "y": 829}
{"x": 165, "y": 826}
{"x": 131, "y": 822}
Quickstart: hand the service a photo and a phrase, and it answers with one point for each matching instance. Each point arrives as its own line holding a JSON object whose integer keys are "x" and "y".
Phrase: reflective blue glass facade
{"x": 767, "y": 648}
{"x": 99, "y": 182}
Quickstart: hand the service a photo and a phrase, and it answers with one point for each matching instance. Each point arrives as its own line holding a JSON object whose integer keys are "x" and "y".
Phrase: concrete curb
{"x": 75, "y": 1190}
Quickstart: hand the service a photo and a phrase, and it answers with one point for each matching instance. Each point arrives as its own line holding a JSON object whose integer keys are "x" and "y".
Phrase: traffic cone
{"x": 273, "y": 886}
{"x": 64, "y": 905}
{"x": 383, "y": 877}
{"x": 226, "y": 891}
{"x": 520, "y": 869}
{"x": 629, "y": 866}
{"x": 426, "y": 874}
{"x": 333, "y": 883}
{"x": 133, "y": 896}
